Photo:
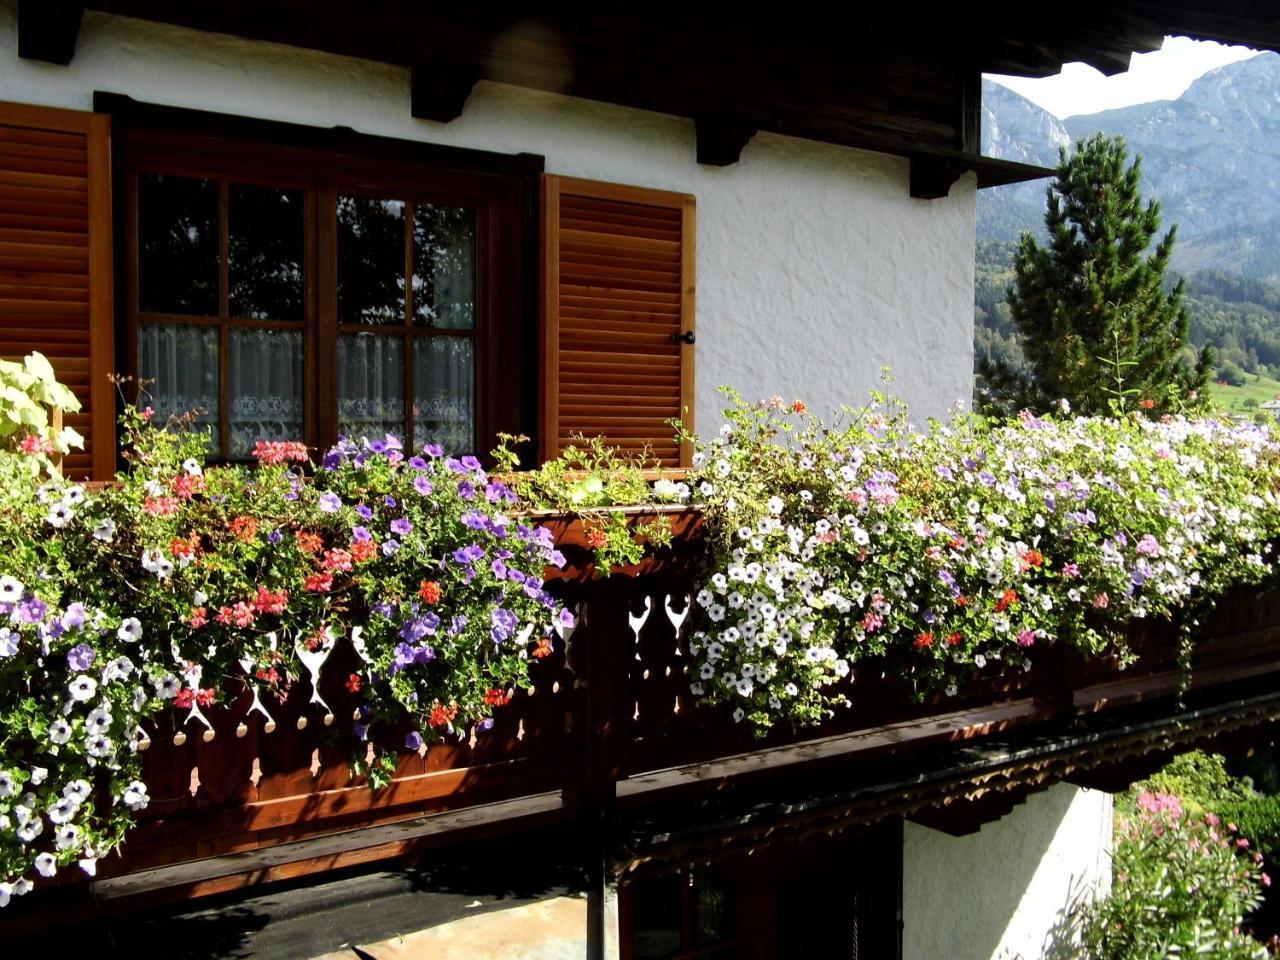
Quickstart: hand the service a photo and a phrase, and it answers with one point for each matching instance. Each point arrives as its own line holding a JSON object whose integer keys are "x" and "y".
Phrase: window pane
{"x": 712, "y": 919}
{"x": 444, "y": 403}
{"x": 658, "y": 917}
{"x": 444, "y": 266}
{"x": 371, "y": 255}
{"x": 177, "y": 245}
{"x": 181, "y": 360}
{"x": 264, "y": 252}
{"x": 370, "y": 385}
{"x": 266, "y": 387}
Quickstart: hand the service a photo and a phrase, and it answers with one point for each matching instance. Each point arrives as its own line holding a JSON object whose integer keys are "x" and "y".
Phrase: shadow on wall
{"x": 1008, "y": 891}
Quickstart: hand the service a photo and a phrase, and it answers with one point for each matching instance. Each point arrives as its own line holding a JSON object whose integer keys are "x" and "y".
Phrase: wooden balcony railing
{"x": 610, "y": 723}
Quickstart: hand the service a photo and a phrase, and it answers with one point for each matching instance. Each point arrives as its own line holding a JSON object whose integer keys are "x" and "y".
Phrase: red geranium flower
{"x": 319, "y": 582}
{"x": 353, "y": 683}
{"x": 924, "y": 641}
{"x": 430, "y": 591}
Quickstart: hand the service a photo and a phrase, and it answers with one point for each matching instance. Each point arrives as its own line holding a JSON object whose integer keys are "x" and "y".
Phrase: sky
{"x": 1163, "y": 74}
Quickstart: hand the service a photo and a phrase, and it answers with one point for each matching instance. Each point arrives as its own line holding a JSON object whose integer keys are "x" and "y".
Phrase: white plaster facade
{"x": 998, "y": 894}
{"x": 815, "y": 268}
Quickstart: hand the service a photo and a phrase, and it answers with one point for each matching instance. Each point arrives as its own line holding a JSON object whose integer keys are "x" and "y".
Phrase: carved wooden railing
{"x": 609, "y": 721}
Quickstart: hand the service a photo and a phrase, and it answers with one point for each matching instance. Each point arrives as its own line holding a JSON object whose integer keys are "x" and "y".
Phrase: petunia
{"x": 8, "y": 642}
{"x": 135, "y": 795}
{"x": 59, "y": 731}
{"x": 329, "y": 502}
{"x": 80, "y": 657}
{"x": 45, "y": 864}
{"x": 130, "y": 630}
{"x": 11, "y": 590}
{"x": 402, "y": 526}
{"x": 82, "y": 688}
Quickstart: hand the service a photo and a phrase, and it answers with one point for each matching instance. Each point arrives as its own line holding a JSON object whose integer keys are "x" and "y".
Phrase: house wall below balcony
{"x": 815, "y": 267}
{"x": 999, "y": 894}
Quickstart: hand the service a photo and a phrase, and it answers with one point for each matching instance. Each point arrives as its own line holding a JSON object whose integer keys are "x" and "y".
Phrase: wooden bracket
{"x": 439, "y": 89}
{"x": 933, "y": 177}
{"x": 47, "y": 30}
{"x": 720, "y": 142}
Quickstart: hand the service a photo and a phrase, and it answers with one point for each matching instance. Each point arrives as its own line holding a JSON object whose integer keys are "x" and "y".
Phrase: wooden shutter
{"x": 55, "y": 262}
{"x": 618, "y": 287}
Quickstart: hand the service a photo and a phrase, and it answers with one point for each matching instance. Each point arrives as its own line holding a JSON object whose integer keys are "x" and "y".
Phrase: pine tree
{"x": 1096, "y": 323}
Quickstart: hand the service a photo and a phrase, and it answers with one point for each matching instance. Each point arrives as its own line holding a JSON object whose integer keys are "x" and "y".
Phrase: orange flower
{"x": 199, "y": 617}
{"x": 185, "y": 548}
{"x": 542, "y": 648}
{"x": 363, "y": 551}
{"x": 1031, "y": 558}
{"x": 1008, "y": 599}
{"x": 799, "y": 407}
{"x": 353, "y": 683}
{"x": 429, "y": 591}
{"x": 953, "y": 639}
{"x": 308, "y": 542}
{"x": 1146, "y": 403}
{"x": 596, "y": 539}
{"x": 441, "y": 716}
{"x": 244, "y": 529}
{"x": 495, "y": 698}
{"x": 962, "y": 601}
{"x": 924, "y": 641}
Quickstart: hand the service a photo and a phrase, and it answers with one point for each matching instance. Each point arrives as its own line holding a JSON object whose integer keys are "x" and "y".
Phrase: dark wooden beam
{"x": 720, "y": 142}
{"x": 439, "y": 90}
{"x": 932, "y": 177}
{"x": 47, "y": 30}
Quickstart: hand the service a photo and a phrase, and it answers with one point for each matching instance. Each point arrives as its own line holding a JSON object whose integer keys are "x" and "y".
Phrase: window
{"x": 287, "y": 291}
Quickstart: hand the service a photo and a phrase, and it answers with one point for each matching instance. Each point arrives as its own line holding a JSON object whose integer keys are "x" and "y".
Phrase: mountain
{"x": 1211, "y": 157}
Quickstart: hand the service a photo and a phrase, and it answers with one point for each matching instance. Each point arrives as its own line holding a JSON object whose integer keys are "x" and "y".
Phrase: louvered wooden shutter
{"x": 55, "y": 262}
{"x": 618, "y": 288}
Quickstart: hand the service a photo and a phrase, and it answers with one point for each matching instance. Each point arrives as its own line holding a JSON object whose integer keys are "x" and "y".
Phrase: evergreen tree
{"x": 1096, "y": 324}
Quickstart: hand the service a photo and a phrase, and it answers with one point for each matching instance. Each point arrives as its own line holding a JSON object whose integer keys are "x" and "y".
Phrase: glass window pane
{"x": 444, "y": 266}
{"x": 177, "y": 245}
{"x": 371, "y": 255}
{"x": 370, "y": 385}
{"x": 658, "y": 917}
{"x": 181, "y": 361}
{"x": 264, "y": 252}
{"x": 266, "y": 387}
{"x": 712, "y": 920}
{"x": 444, "y": 402}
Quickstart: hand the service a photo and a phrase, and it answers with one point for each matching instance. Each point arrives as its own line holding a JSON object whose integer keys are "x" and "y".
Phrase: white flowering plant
{"x": 941, "y": 552}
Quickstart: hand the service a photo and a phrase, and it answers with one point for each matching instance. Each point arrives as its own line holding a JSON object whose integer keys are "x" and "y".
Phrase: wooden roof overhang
{"x": 901, "y": 79}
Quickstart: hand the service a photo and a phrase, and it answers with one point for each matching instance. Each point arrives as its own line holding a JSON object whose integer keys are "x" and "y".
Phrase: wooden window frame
{"x": 326, "y": 163}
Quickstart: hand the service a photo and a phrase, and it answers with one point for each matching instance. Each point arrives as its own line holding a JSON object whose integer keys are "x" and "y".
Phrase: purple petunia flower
{"x": 361, "y": 534}
{"x": 275, "y": 536}
{"x": 422, "y": 485}
{"x": 504, "y": 624}
{"x": 466, "y": 489}
{"x": 417, "y": 463}
{"x": 330, "y": 502}
{"x": 390, "y": 501}
{"x": 468, "y": 554}
{"x": 499, "y": 569}
{"x": 402, "y": 526}
{"x": 74, "y": 616}
{"x": 32, "y": 610}
{"x": 80, "y": 657}
{"x": 457, "y": 625}
{"x": 566, "y": 619}
{"x": 390, "y": 548}
{"x": 365, "y": 511}
{"x": 413, "y": 741}
{"x": 433, "y": 450}
{"x": 472, "y": 464}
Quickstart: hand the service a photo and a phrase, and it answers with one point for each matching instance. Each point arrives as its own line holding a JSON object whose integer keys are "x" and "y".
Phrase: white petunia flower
{"x": 135, "y": 795}
{"x": 62, "y": 810}
{"x": 192, "y": 467}
{"x": 167, "y": 687}
{"x": 11, "y": 590}
{"x": 82, "y": 688}
{"x": 30, "y": 830}
{"x": 59, "y": 515}
{"x": 76, "y": 791}
{"x": 130, "y": 630}
{"x": 73, "y": 496}
{"x": 105, "y": 530}
{"x": 67, "y": 836}
{"x": 59, "y": 731}
{"x": 98, "y": 746}
{"x": 39, "y": 775}
{"x": 8, "y": 785}
{"x": 46, "y": 865}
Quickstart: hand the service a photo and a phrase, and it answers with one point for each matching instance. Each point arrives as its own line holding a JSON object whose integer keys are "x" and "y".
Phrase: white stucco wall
{"x": 997, "y": 894}
{"x": 815, "y": 268}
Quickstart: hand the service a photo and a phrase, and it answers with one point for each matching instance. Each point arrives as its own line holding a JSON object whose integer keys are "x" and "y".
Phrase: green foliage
{"x": 29, "y": 393}
{"x": 590, "y": 480}
{"x": 1091, "y": 308}
{"x": 1182, "y": 885}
